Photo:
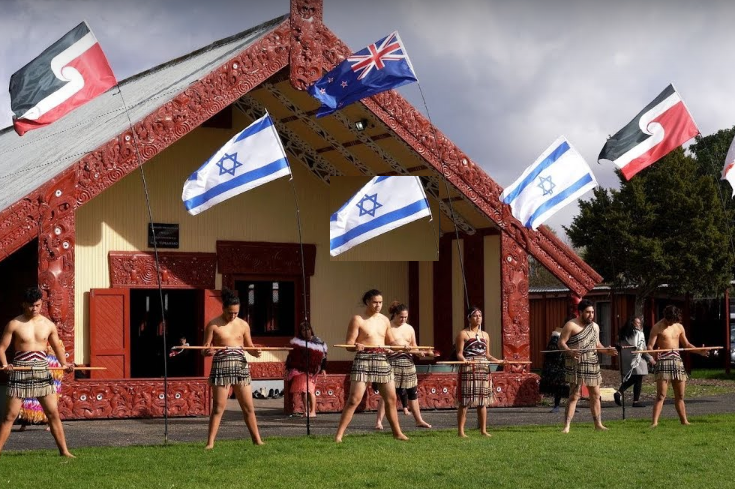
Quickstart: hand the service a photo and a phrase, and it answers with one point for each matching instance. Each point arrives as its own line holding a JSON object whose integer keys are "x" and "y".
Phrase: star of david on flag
{"x": 252, "y": 157}
{"x": 559, "y": 176}
{"x": 382, "y": 205}
{"x": 377, "y": 68}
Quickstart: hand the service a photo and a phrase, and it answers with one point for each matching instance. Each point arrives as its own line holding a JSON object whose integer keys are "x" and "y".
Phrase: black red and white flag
{"x": 665, "y": 124}
{"x": 68, "y": 74}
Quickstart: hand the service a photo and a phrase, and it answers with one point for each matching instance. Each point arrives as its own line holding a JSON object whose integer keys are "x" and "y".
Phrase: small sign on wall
{"x": 167, "y": 235}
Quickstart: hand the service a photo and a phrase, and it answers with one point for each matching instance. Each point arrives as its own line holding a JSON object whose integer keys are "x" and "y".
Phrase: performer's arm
{"x": 460, "y": 347}
{"x": 55, "y": 343}
{"x": 208, "y": 336}
{"x": 684, "y": 341}
{"x": 352, "y": 331}
{"x": 248, "y": 341}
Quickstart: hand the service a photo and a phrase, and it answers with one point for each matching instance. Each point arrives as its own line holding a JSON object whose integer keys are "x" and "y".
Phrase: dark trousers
{"x": 637, "y": 382}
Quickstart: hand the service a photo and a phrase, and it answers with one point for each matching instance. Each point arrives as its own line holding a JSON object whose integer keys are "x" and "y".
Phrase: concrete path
{"x": 272, "y": 422}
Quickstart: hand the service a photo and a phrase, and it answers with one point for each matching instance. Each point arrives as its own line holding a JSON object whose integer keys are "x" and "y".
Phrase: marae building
{"x": 73, "y": 219}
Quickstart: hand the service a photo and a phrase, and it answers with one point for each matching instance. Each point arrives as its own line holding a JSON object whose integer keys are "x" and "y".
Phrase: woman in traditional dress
{"x": 305, "y": 361}
{"x": 404, "y": 369}
{"x": 474, "y": 386}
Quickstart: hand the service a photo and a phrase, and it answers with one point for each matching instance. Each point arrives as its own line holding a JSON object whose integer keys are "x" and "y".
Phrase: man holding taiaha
{"x": 229, "y": 366}
{"x": 580, "y": 340}
{"x": 669, "y": 335}
{"x": 29, "y": 374}
{"x": 370, "y": 365}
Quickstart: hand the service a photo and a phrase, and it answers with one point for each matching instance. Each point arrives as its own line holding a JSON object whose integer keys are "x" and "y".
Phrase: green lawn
{"x": 630, "y": 455}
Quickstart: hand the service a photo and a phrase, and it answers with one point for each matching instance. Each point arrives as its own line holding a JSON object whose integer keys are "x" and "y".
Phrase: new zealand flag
{"x": 377, "y": 68}
{"x": 68, "y": 74}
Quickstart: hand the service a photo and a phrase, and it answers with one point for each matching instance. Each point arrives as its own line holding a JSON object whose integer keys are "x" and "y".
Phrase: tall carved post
{"x": 305, "y": 57}
{"x": 515, "y": 308}
{"x": 56, "y": 257}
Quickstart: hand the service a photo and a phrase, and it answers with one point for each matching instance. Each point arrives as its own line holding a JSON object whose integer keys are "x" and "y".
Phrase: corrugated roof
{"x": 28, "y": 162}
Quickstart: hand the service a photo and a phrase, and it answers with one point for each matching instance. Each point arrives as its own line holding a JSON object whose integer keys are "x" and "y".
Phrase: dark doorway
{"x": 19, "y": 271}
{"x": 147, "y": 330}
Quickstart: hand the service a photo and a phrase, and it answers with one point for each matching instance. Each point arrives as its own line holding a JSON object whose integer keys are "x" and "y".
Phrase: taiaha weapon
{"x": 662, "y": 350}
{"x": 396, "y": 348}
{"x": 481, "y": 362}
{"x": 261, "y": 348}
{"x": 581, "y": 350}
{"x": 42, "y": 369}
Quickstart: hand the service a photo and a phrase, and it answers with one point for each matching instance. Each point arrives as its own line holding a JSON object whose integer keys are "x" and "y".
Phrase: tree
{"x": 666, "y": 226}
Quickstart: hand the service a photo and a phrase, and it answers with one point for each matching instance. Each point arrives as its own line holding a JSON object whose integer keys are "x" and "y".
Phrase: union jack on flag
{"x": 381, "y": 66}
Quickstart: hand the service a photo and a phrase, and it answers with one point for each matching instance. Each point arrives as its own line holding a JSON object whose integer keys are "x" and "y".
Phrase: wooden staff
{"x": 261, "y": 348}
{"x": 395, "y": 348}
{"x": 480, "y": 362}
{"x": 679, "y": 349}
{"x": 41, "y": 369}
{"x": 579, "y": 350}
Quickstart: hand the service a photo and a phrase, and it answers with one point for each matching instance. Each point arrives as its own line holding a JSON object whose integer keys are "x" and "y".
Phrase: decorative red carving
{"x": 261, "y": 258}
{"x": 437, "y": 391}
{"x": 305, "y": 58}
{"x": 178, "y": 270}
{"x": 267, "y": 370}
{"x": 133, "y": 398}
{"x": 515, "y": 305}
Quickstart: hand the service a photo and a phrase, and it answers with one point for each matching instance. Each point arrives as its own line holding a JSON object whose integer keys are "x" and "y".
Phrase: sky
{"x": 501, "y": 79}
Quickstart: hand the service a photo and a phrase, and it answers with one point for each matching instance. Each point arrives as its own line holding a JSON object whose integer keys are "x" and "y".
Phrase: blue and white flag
{"x": 385, "y": 203}
{"x": 559, "y": 176}
{"x": 251, "y": 158}
{"x": 379, "y": 67}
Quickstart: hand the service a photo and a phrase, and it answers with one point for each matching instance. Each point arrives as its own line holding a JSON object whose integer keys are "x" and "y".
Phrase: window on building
{"x": 268, "y": 306}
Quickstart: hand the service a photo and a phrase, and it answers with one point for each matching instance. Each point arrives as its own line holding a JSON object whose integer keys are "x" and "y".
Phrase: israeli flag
{"x": 251, "y": 158}
{"x": 559, "y": 176}
{"x": 382, "y": 205}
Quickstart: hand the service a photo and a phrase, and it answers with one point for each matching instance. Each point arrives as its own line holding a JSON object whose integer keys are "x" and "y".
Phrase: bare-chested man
{"x": 669, "y": 334}
{"x": 229, "y": 366}
{"x": 580, "y": 338}
{"x": 370, "y": 328}
{"x": 29, "y": 333}
{"x": 404, "y": 370}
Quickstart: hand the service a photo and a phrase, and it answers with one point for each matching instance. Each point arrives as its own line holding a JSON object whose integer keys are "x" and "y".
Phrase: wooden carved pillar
{"x": 515, "y": 306}
{"x": 56, "y": 258}
{"x": 305, "y": 57}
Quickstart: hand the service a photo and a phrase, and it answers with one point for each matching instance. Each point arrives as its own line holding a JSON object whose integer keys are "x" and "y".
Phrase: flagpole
{"x": 303, "y": 285}
{"x": 451, "y": 206}
{"x": 158, "y": 266}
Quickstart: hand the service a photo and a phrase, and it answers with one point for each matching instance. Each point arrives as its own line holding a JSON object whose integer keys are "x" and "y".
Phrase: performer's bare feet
{"x": 258, "y": 442}
{"x": 565, "y": 430}
{"x": 379, "y": 426}
{"x": 485, "y": 433}
{"x": 654, "y": 425}
{"x": 601, "y": 428}
{"x": 406, "y": 411}
{"x": 686, "y": 422}
{"x": 312, "y": 415}
{"x": 461, "y": 434}
{"x": 67, "y": 455}
{"x": 209, "y": 447}
{"x": 337, "y": 439}
{"x": 423, "y": 424}
{"x": 400, "y": 437}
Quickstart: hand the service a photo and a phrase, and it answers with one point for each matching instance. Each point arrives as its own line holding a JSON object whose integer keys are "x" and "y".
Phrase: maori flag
{"x": 68, "y": 74}
{"x": 665, "y": 124}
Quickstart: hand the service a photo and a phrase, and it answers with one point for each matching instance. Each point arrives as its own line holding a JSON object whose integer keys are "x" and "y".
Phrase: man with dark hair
{"x": 669, "y": 334}
{"x": 580, "y": 339}
{"x": 29, "y": 376}
{"x": 229, "y": 366}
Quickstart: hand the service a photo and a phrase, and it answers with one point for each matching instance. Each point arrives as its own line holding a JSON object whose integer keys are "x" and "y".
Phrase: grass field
{"x": 630, "y": 455}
